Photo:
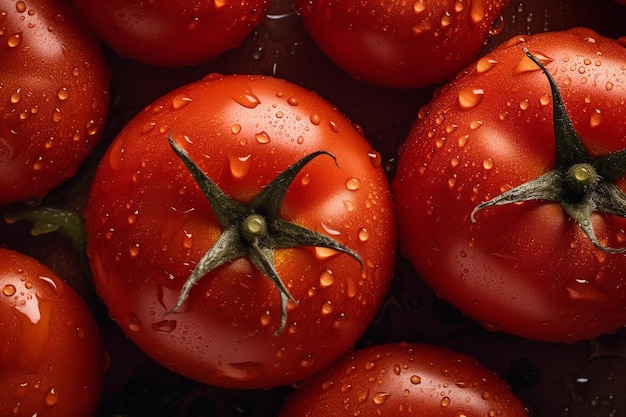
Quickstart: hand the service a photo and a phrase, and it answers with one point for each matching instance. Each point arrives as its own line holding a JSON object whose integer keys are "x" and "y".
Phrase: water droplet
{"x": 262, "y": 137}
{"x": 380, "y": 397}
{"x": 445, "y": 401}
{"x": 9, "y": 290}
{"x": 307, "y": 361}
{"x": 345, "y": 388}
{"x": 328, "y": 384}
{"x": 187, "y": 241}
{"x": 595, "y": 118}
{"x": 353, "y": 184}
{"x": 419, "y": 6}
{"x": 488, "y": 163}
{"x": 415, "y": 379}
{"x": 315, "y": 119}
{"x": 477, "y": 11}
{"x": 484, "y": 64}
{"x": 239, "y": 165}
{"x": 327, "y": 278}
{"x": 469, "y": 97}
{"x": 63, "y": 93}
{"x": 15, "y": 40}
{"x": 334, "y": 127}
{"x": 609, "y": 86}
{"x": 375, "y": 159}
{"x": 527, "y": 65}
{"x": 581, "y": 289}
{"x": 16, "y": 96}
{"x": 134, "y": 251}
{"x": 362, "y": 396}
{"x": 133, "y": 323}
{"x": 247, "y": 99}
{"x": 166, "y": 326}
{"x": 485, "y": 395}
{"x": 180, "y": 101}
{"x": 20, "y": 6}
{"x": 292, "y": 101}
{"x": 51, "y": 397}
{"x": 349, "y": 205}
{"x": 363, "y": 234}
{"x": 422, "y": 26}
{"x": 327, "y": 307}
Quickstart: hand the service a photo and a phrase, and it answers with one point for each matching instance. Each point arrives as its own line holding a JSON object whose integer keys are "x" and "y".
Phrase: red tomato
{"x": 402, "y": 44}
{"x": 52, "y": 362}
{"x": 173, "y": 32}
{"x": 53, "y": 96}
{"x": 529, "y": 268}
{"x": 149, "y": 225}
{"x": 404, "y": 379}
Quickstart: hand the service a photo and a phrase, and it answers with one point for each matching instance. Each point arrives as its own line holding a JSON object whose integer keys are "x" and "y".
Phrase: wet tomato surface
{"x": 52, "y": 361}
{"x": 329, "y": 244}
{"x": 577, "y": 379}
{"x": 53, "y": 96}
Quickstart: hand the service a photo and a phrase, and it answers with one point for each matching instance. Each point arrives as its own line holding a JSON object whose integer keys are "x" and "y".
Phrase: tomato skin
{"x": 526, "y": 268}
{"x": 404, "y": 379}
{"x": 172, "y": 33}
{"x": 53, "y": 97}
{"x": 149, "y": 224}
{"x": 400, "y": 44}
{"x": 52, "y": 362}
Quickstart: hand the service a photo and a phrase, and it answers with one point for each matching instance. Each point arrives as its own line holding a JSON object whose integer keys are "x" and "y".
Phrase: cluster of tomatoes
{"x": 259, "y": 208}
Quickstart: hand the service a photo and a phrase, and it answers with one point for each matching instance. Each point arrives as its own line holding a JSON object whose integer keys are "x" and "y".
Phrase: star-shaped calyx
{"x": 580, "y": 183}
{"x": 254, "y": 230}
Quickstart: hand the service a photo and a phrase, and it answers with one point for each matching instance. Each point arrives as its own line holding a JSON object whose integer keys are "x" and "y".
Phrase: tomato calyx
{"x": 254, "y": 230}
{"x": 580, "y": 183}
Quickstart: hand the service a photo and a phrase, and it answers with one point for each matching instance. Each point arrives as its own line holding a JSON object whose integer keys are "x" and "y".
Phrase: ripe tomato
{"x": 172, "y": 33}
{"x": 398, "y": 44}
{"x": 150, "y": 226}
{"x": 52, "y": 362}
{"x": 530, "y": 268}
{"x": 53, "y": 96}
{"x": 405, "y": 379}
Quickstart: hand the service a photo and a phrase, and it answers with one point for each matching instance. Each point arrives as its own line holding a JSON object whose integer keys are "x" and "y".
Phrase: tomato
{"x": 404, "y": 379}
{"x": 172, "y": 33}
{"x": 53, "y": 96}
{"x": 398, "y": 44}
{"x": 179, "y": 232}
{"x": 545, "y": 267}
{"x": 52, "y": 362}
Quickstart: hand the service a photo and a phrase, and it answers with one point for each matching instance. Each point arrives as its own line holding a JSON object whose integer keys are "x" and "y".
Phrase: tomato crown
{"x": 580, "y": 183}
{"x": 254, "y": 230}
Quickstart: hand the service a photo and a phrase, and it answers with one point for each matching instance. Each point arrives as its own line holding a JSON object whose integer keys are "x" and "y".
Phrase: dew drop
{"x": 51, "y": 397}
{"x": 375, "y": 159}
{"x": 15, "y": 40}
{"x": 63, "y": 93}
{"x": 292, "y": 101}
{"x": 134, "y": 251}
{"x": 327, "y": 278}
{"x": 16, "y": 96}
{"x": 165, "y": 326}
{"x": 20, "y": 6}
{"x": 380, "y": 397}
{"x": 327, "y": 308}
{"x": 580, "y": 289}
{"x": 147, "y": 127}
{"x": 180, "y": 101}
{"x": 484, "y": 64}
{"x": 469, "y": 97}
{"x": 363, "y": 234}
{"x": 307, "y": 361}
{"x": 239, "y": 165}
{"x": 266, "y": 318}
{"x": 262, "y": 137}
{"x": 334, "y": 127}
{"x": 419, "y": 6}
{"x": 609, "y": 86}
{"x": 328, "y": 384}
{"x": 133, "y": 323}
{"x": 362, "y": 396}
{"x": 315, "y": 119}
{"x": 415, "y": 379}
{"x": 596, "y": 118}
{"x": 349, "y": 206}
{"x": 422, "y": 26}
{"x": 477, "y": 11}
{"x": 485, "y": 395}
{"x": 488, "y": 163}
{"x": 9, "y": 290}
{"x": 445, "y": 401}
{"x": 353, "y": 184}
{"x": 187, "y": 241}
{"x": 247, "y": 99}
